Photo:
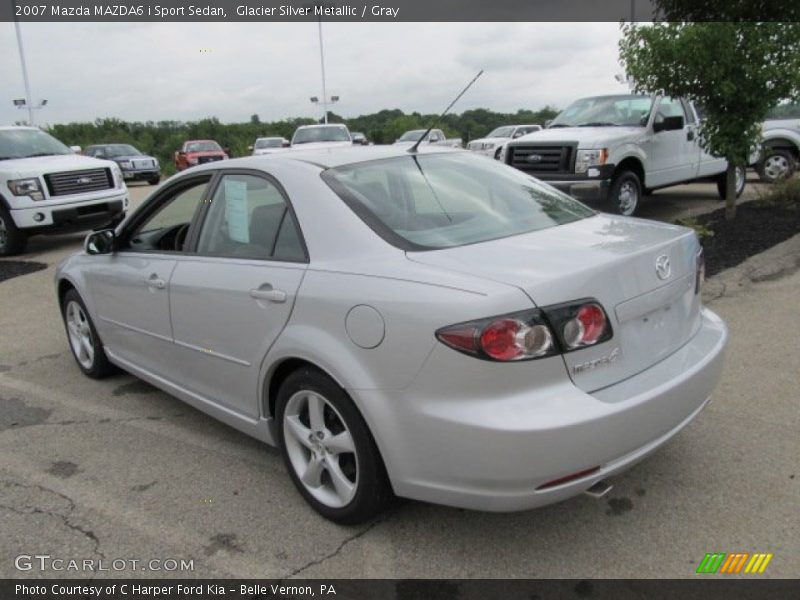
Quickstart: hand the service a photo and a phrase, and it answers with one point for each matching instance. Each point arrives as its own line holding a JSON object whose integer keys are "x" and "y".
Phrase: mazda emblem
{"x": 663, "y": 268}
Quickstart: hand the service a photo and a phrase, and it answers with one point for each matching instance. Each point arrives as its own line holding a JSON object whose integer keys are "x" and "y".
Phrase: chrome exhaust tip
{"x": 599, "y": 489}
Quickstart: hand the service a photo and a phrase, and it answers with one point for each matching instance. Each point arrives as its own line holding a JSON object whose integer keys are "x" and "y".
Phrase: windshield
{"x": 269, "y": 143}
{"x": 203, "y": 147}
{"x": 321, "y": 134}
{"x": 503, "y": 132}
{"x": 112, "y": 150}
{"x": 445, "y": 200}
{"x": 411, "y": 136}
{"x": 606, "y": 111}
{"x": 26, "y": 143}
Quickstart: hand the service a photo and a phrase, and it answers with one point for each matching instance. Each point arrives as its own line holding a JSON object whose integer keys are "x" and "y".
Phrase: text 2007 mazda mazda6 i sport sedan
{"x": 432, "y": 325}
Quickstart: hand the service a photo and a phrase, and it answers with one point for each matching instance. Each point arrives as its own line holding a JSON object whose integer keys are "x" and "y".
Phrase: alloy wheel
{"x": 80, "y": 334}
{"x": 776, "y": 167}
{"x": 320, "y": 448}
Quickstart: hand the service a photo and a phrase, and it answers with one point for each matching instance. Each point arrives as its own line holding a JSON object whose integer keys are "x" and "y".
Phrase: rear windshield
{"x": 432, "y": 201}
{"x": 320, "y": 134}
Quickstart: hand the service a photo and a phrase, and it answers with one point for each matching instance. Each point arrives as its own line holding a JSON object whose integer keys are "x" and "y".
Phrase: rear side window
{"x": 250, "y": 218}
{"x": 432, "y": 201}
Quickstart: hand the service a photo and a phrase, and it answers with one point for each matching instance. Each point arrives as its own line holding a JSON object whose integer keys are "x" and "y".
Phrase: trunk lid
{"x": 612, "y": 259}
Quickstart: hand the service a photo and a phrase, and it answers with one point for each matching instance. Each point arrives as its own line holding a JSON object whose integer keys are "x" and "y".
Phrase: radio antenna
{"x": 413, "y": 148}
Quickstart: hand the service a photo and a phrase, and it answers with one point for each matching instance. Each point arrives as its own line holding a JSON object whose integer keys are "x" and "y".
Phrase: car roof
{"x": 323, "y": 125}
{"x": 11, "y": 127}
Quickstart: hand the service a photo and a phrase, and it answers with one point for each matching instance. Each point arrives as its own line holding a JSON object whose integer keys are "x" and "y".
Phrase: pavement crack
{"x": 65, "y": 517}
{"x": 338, "y": 550}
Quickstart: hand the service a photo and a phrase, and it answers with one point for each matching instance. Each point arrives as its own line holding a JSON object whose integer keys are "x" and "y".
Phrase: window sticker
{"x": 236, "y": 213}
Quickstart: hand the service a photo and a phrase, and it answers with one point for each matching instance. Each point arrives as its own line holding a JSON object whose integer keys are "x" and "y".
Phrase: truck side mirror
{"x": 76, "y": 149}
{"x": 668, "y": 124}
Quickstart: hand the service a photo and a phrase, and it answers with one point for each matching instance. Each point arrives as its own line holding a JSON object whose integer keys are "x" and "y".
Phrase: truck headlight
{"x": 191, "y": 161}
{"x": 126, "y": 164}
{"x": 118, "y": 180}
{"x": 488, "y": 146}
{"x": 590, "y": 158}
{"x": 27, "y": 187}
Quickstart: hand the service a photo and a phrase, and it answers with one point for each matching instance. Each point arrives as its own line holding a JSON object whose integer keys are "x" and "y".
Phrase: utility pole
{"x": 28, "y": 99}
{"x": 322, "y": 64}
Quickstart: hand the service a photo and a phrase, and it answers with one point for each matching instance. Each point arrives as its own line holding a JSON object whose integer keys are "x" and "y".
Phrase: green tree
{"x": 735, "y": 70}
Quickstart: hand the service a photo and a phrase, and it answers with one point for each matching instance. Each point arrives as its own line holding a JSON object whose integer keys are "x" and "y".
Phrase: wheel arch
{"x": 634, "y": 164}
{"x": 784, "y": 143}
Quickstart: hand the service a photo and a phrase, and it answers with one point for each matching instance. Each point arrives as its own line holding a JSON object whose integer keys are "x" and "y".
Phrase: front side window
{"x": 250, "y": 218}
{"x": 167, "y": 228}
{"x": 501, "y": 132}
{"x": 433, "y": 201}
{"x": 669, "y": 107}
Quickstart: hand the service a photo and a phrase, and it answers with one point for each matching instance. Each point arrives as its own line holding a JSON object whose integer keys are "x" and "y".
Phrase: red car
{"x": 197, "y": 152}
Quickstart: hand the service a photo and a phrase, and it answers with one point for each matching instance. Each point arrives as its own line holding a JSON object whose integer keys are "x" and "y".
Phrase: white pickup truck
{"x": 780, "y": 153}
{"x": 614, "y": 149}
{"x": 45, "y": 187}
{"x": 435, "y": 137}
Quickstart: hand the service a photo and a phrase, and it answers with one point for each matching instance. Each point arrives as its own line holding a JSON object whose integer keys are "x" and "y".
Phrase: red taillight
{"x": 586, "y": 327}
{"x": 530, "y": 334}
{"x": 519, "y": 336}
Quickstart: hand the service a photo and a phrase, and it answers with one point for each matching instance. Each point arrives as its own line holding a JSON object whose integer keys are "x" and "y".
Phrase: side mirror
{"x": 100, "y": 242}
{"x": 250, "y": 148}
{"x": 548, "y": 123}
{"x": 76, "y": 149}
{"x": 286, "y": 143}
{"x": 668, "y": 124}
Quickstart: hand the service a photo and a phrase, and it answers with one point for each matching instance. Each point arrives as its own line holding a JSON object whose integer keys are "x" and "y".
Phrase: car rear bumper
{"x": 496, "y": 453}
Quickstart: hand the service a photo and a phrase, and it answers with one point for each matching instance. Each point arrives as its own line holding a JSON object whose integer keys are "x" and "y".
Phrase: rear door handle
{"x": 265, "y": 292}
{"x": 154, "y": 281}
{"x": 690, "y": 135}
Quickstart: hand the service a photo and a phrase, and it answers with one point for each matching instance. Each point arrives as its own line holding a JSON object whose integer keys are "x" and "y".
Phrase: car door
{"x": 130, "y": 287}
{"x": 233, "y": 296}
{"x": 708, "y": 164}
{"x": 672, "y": 154}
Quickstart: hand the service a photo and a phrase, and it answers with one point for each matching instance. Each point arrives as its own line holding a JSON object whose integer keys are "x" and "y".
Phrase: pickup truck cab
{"x": 46, "y": 188}
{"x": 614, "y": 149}
{"x": 435, "y": 137}
{"x": 492, "y": 145}
{"x": 198, "y": 152}
{"x": 334, "y": 135}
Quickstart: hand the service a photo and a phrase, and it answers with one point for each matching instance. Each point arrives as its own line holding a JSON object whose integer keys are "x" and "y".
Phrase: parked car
{"x": 359, "y": 138}
{"x": 780, "y": 149}
{"x": 135, "y": 166}
{"x": 434, "y": 325}
{"x": 322, "y": 136}
{"x": 198, "y": 152}
{"x": 614, "y": 149}
{"x": 436, "y": 137}
{"x": 493, "y": 144}
{"x": 268, "y": 145}
{"x": 47, "y": 188}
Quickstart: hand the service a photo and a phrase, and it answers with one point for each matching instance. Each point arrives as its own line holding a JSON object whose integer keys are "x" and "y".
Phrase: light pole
{"x": 22, "y": 103}
{"x": 322, "y": 64}
{"x": 331, "y": 100}
{"x": 28, "y": 101}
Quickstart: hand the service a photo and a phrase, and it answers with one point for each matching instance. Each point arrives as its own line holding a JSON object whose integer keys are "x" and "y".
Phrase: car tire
{"x": 154, "y": 180}
{"x": 85, "y": 344}
{"x": 624, "y": 194}
{"x": 12, "y": 239}
{"x": 741, "y": 180}
{"x": 779, "y": 164}
{"x": 498, "y": 153}
{"x": 318, "y": 424}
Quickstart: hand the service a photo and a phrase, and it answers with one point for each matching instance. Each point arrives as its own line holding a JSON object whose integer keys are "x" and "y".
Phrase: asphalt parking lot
{"x": 116, "y": 469}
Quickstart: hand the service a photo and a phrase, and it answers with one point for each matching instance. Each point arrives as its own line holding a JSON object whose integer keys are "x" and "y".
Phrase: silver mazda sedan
{"x": 431, "y": 325}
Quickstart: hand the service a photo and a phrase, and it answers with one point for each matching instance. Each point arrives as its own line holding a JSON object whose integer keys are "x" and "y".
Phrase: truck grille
{"x": 78, "y": 182}
{"x": 207, "y": 159}
{"x": 144, "y": 163}
{"x": 542, "y": 159}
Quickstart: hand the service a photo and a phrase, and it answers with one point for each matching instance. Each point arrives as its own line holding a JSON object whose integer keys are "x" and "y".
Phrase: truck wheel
{"x": 740, "y": 182}
{"x": 625, "y": 193}
{"x": 12, "y": 240}
{"x": 779, "y": 164}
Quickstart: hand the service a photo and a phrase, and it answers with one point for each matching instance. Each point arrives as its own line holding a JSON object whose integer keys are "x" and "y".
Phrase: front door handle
{"x": 154, "y": 281}
{"x": 690, "y": 135}
{"x": 266, "y": 292}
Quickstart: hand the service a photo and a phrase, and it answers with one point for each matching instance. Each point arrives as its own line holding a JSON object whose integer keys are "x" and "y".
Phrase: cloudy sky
{"x": 186, "y": 71}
